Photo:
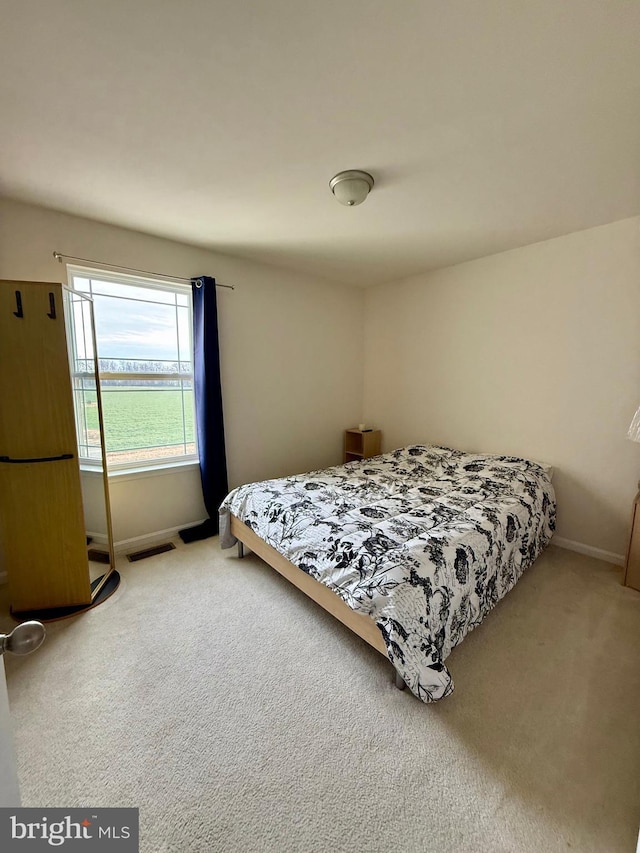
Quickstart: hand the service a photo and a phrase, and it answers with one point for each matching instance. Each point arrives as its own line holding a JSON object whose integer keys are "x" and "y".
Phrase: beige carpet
{"x": 240, "y": 717}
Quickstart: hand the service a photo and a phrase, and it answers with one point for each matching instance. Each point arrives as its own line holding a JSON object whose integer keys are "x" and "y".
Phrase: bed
{"x": 410, "y": 549}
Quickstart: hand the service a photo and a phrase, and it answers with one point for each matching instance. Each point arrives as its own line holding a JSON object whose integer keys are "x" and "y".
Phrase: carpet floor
{"x": 240, "y": 717}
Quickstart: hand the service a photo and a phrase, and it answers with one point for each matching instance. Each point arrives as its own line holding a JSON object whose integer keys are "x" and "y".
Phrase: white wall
{"x": 533, "y": 352}
{"x": 291, "y": 356}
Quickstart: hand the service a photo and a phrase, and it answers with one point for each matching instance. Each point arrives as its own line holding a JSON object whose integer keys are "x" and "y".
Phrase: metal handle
{"x": 52, "y": 307}
{"x": 18, "y": 312}
{"x": 37, "y": 459}
{"x": 24, "y": 639}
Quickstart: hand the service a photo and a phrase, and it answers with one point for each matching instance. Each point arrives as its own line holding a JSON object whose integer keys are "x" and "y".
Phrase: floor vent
{"x": 150, "y": 552}
{"x": 98, "y": 556}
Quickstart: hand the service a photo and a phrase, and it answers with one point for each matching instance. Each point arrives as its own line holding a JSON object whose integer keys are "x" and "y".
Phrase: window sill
{"x": 133, "y": 473}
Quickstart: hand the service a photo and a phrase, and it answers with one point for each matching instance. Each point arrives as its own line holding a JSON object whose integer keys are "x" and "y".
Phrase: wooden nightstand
{"x": 632, "y": 566}
{"x": 361, "y": 445}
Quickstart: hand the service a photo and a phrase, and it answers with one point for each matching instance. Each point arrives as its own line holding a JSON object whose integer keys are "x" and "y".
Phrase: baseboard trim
{"x": 149, "y": 539}
{"x": 146, "y": 540}
{"x": 96, "y": 538}
{"x": 589, "y": 550}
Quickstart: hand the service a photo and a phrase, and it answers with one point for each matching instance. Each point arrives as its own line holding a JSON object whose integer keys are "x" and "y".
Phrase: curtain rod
{"x": 59, "y": 256}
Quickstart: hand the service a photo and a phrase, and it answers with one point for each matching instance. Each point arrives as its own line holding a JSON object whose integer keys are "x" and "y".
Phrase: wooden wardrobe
{"x": 42, "y": 530}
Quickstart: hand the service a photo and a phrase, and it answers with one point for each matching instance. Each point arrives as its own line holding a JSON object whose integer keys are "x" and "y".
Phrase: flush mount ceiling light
{"x": 351, "y": 187}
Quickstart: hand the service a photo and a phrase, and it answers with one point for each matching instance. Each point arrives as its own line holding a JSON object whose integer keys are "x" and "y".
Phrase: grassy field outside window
{"x": 136, "y": 418}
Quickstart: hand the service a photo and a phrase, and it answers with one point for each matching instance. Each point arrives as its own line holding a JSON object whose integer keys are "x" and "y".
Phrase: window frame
{"x": 159, "y": 283}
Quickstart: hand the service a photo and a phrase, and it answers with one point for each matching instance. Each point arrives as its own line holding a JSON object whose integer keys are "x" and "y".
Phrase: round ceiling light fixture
{"x": 351, "y": 187}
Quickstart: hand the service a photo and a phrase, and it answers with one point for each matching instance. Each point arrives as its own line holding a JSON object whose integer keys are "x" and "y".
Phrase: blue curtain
{"x": 208, "y": 400}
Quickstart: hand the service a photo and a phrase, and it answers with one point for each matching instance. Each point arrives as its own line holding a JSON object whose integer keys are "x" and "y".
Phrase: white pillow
{"x": 545, "y": 465}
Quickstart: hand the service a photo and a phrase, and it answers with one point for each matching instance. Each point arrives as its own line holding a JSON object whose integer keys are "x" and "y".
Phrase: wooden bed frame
{"x": 360, "y": 624}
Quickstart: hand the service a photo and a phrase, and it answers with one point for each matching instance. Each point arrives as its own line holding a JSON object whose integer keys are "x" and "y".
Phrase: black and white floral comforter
{"x": 425, "y": 540}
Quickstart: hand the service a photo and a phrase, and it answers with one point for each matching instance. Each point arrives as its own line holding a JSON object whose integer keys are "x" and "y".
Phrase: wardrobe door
{"x": 42, "y": 531}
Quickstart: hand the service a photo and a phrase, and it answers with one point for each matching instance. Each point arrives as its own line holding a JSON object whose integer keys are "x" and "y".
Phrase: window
{"x": 145, "y": 361}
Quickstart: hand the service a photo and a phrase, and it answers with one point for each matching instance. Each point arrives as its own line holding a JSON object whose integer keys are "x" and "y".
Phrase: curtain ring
{"x": 198, "y": 282}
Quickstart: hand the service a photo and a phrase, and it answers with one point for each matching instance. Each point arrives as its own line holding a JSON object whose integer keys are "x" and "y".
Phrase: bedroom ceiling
{"x": 485, "y": 125}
